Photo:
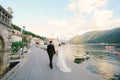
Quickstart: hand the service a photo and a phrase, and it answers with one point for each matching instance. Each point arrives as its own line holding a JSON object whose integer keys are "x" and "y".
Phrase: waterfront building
{"x": 5, "y": 39}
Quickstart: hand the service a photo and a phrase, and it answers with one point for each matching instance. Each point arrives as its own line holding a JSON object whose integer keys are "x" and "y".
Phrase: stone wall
{"x": 5, "y": 39}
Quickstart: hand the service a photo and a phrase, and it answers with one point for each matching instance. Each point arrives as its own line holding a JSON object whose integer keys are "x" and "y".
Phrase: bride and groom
{"x": 60, "y": 57}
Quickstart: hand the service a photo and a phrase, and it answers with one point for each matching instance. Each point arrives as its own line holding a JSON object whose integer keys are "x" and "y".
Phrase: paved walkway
{"x": 35, "y": 67}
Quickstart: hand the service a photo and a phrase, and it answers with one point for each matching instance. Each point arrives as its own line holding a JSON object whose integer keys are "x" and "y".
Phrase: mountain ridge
{"x": 98, "y": 36}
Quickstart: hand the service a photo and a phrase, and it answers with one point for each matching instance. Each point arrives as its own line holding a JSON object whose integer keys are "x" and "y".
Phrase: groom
{"x": 51, "y": 52}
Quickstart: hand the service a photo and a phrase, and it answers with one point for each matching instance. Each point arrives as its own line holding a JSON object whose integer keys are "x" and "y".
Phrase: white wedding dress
{"x": 61, "y": 61}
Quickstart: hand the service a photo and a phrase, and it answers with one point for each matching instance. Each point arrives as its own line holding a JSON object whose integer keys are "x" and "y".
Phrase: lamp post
{"x": 23, "y": 39}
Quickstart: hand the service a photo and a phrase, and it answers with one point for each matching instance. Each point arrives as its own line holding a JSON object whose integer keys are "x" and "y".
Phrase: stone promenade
{"x": 35, "y": 67}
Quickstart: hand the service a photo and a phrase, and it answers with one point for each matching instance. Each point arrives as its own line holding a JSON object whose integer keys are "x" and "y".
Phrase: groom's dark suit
{"x": 51, "y": 52}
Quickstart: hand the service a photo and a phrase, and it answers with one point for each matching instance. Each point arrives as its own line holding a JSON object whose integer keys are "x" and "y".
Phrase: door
{"x": 1, "y": 50}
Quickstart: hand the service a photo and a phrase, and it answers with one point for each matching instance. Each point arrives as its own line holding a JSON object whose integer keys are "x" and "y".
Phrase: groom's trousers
{"x": 50, "y": 59}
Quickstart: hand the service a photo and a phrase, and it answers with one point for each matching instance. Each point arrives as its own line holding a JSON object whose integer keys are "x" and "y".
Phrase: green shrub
{"x": 16, "y": 46}
{"x": 37, "y": 43}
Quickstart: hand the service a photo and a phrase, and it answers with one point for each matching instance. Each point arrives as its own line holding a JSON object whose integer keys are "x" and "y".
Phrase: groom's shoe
{"x": 51, "y": 67}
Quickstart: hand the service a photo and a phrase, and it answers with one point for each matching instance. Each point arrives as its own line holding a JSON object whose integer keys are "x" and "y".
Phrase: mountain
{"x": 105, "y": 36}
{"x": 76, "y": 40}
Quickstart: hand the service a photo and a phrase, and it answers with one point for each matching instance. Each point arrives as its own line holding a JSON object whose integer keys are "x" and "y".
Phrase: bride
{"x": 61, "y": 60}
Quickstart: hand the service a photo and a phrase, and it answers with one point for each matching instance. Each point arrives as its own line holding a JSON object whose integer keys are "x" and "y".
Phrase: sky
{"x": 64, "y": 18}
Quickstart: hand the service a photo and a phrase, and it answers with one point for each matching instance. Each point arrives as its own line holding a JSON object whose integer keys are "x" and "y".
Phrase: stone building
{"x": 5, "y": 39}
{"x": 16, "y": 36}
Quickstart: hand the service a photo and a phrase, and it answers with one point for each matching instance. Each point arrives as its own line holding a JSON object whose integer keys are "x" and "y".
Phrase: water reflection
{"x": 101, "y": 62}
{"x": 72, "y": 51}
{"x": 103, "y": 68}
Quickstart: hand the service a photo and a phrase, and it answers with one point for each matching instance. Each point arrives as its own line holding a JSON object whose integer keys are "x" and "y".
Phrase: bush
{"x": 16, "y": 46}
{"x": 37, "y": 43}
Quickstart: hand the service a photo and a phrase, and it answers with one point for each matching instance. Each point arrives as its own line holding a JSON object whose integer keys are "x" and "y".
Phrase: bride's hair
{"x": 59, "y": 44}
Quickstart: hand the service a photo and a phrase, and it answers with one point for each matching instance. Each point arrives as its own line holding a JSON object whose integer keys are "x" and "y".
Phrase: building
{"x": 5, "y": 39}
{"x": 16, "y": 36}
{"x": 35, "y": 40}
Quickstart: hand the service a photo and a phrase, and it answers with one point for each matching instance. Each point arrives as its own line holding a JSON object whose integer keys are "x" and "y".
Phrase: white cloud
{"x": 101, "y": 17}
{"x": 86, "y": 6}
{"x": 95, "y": 10}
{"x": 72, "y": 6}
{"x": 113, "y": 23}
{"x": 88, "y": 15}
{"x": 59, "y": 23}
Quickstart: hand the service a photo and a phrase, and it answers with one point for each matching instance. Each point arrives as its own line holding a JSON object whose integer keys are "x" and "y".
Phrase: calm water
{"x": 101, "y": 62}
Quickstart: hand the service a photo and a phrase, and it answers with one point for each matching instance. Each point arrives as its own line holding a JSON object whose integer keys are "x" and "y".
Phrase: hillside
{"x": 106, "y": 36}
{"x": 27, "y": 32}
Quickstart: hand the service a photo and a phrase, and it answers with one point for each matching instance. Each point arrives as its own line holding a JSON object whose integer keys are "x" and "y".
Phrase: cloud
{"x": 114, "y": 23}
{"x": 91, "y": 15}
{"x": 101, "y": 17}
{"x": 55, "y": 22}
{"x": 88, "y": 15}
{"x": 59, "y": 27}
{"x": 72, "y": 6}
{"x": 86, "y": 6}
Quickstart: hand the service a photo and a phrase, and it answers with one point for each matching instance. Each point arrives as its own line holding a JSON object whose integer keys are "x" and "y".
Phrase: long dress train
{"x": 61, "y": 61}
